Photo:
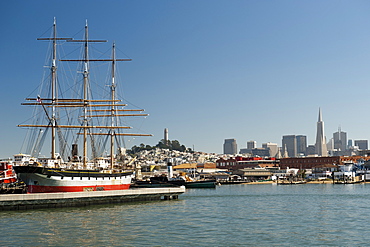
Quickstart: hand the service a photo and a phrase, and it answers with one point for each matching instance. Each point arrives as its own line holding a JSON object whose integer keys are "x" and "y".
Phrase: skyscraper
{"x": 311, "y": 150}
{"x": 320, "y": 146}
{"x": 301, "y": 145}
{"x": 251, "y": 144}
{"x": 289, "y": 145}
{"x": 361, "y": 144}
{"x": 295, "y": 145}
{"x": 230, "y": 146}
{"x": 350, "y": 143}
{"x": 272, "y": 147}
{"x": 340, "y": 140}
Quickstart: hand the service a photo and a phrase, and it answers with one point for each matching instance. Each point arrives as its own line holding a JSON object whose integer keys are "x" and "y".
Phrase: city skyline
{"x": 206, "y": 70}
{"x": 296, "y": 145}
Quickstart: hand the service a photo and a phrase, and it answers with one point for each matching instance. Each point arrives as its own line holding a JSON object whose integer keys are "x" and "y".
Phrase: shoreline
{"x": 309, "y": 182}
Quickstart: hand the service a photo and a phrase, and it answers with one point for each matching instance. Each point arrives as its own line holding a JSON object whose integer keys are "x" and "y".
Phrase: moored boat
{"x": 42, "y": 179}
{"x": 149, "y": 184}
{"x": 204, "y": 183}
{"x": 9, "y": 182}
{"x": 7, "y": 175}
{"x": 89, "y": 171}
{"x": 201, "y": 184}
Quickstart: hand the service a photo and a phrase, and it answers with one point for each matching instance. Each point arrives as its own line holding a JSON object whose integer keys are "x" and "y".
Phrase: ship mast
{"x": 85, "y": 81}
{"x": 53, "y": 70}
{"x": 85, "y": 102}
{"x": 53, "y": 86}
{"x": 113, "y": 112}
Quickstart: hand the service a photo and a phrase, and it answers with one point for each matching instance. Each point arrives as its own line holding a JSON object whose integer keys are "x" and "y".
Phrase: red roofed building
{"x": 311, "y": 162}
{"x": 246, "y": 162}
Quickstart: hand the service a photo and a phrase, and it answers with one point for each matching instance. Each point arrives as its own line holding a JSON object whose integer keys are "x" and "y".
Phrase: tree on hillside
{"x": 171, "y": 145}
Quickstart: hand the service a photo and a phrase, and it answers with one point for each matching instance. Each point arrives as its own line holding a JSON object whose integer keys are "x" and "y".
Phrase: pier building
{"x": 312, "y": 162}
{"x": 246, "y": 162}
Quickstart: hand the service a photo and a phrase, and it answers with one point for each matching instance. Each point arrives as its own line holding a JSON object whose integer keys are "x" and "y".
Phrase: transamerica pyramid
{"x": 320, "y": 146}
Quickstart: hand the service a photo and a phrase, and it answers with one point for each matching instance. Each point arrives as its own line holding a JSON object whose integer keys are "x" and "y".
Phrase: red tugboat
{"x": 8, "y": 179}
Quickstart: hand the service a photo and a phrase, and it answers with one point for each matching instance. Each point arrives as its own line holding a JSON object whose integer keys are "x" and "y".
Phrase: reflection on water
{"x": 231, "y": 215}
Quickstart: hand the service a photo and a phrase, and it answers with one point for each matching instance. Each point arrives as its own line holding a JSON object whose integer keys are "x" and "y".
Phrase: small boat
{"x": 200, "y": 184}
{"x": 180, "y": 181}
{"x": 291, "y": 182}
{"x": 74, "y": 118}
{"x": 9, "y": 184}
{"x": 149, "y": 184}
{"x": 7, "y": 174}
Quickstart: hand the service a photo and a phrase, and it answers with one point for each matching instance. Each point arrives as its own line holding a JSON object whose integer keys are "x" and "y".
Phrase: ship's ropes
{"x": 62, "y": 144}
{"x": 39, "y": 142}
{"x": 102, "y": 144}
{"x": 93, "y": 148}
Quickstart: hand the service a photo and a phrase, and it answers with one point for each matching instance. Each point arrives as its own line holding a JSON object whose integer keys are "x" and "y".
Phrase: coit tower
{"x": 165, "y": 135}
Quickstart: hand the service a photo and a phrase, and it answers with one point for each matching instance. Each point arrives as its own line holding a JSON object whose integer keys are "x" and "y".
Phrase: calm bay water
{"x": 231, "y": 215}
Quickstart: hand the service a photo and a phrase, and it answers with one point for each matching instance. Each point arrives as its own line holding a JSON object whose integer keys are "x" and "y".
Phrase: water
{"x": 231, "y": 215}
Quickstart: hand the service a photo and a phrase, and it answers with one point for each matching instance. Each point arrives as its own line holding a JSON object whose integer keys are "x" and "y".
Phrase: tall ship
{"x": 75, "y": 118}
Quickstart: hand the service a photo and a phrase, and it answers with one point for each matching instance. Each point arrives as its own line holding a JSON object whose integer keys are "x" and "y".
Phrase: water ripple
{"x": 236, "y": 215}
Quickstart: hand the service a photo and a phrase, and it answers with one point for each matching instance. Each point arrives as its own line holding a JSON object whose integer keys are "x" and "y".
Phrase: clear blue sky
{"x": 207, "y": 70}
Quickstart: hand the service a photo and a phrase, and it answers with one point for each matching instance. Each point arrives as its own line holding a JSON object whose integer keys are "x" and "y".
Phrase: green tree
{"x": 171, "y": 145}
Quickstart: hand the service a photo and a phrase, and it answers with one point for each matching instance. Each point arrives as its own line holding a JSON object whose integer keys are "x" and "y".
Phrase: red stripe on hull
{"x": 51, "y": 189}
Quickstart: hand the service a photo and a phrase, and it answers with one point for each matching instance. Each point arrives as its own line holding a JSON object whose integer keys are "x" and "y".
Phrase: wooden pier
{"x": 76, "y": 199}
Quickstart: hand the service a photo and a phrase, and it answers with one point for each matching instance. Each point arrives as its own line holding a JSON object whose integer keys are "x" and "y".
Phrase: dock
{"x": 78, "y": 199}
{"x": 291, "y": 182}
